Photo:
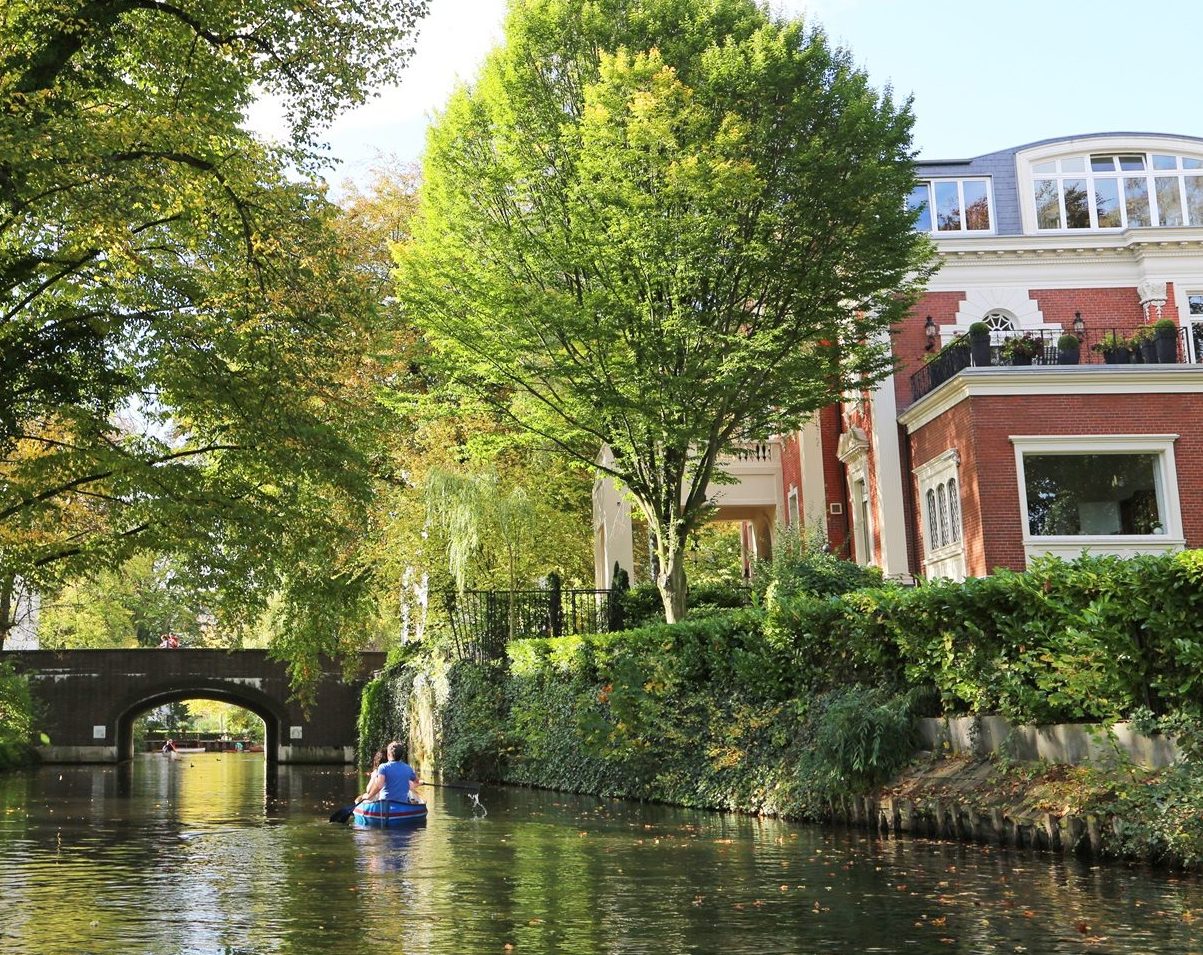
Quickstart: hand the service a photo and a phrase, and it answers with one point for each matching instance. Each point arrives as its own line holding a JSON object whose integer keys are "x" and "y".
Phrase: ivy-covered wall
{"x": 780, "y": 708}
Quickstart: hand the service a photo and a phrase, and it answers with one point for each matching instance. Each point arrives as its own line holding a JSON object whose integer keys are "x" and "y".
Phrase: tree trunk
{"x": 6, "y": 607}
{"x": 671, "y": 581}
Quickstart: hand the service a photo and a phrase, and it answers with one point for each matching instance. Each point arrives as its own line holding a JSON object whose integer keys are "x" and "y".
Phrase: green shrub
{"x": 862, "y": 736}
{"x": 802, "y": 565}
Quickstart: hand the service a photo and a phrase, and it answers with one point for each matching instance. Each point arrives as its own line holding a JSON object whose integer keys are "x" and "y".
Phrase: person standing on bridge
{"x": 395, "y": 780}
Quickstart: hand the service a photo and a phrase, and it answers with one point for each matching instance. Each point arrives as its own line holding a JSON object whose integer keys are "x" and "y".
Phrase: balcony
{"x": 1109, "y": 346}
{"x": 757, "y": 470}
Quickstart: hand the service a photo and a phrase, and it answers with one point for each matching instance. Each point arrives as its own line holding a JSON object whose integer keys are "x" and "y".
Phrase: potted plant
{"x": 979, "y": 344}
{"x": 1142, "y": 344}
{"x": 1165, "y": 340}
{"x": 1068, "y": 350}
{"x": 1114, "y": 348}
{"x": 1021, "y": 349}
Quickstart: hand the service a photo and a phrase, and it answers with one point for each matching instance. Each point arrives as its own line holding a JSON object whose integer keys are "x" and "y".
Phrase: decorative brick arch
{"x": 979, "y": 302}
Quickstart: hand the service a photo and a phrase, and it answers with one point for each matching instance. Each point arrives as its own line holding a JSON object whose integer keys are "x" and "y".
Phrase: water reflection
{"x": 211, "y": 855}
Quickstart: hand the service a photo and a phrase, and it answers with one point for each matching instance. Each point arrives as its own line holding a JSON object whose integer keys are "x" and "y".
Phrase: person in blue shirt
{"x": 395, "y": 780}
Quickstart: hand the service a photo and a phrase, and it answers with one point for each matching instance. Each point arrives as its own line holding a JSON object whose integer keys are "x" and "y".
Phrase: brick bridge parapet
{"x": 88, "y": 700}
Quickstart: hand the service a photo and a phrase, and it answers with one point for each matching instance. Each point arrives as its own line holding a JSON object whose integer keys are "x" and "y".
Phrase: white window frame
{"x": 941, "y": 477}
{"x": 1027, "y": 159}
{"x": 960, "y": 181}
{"x": 1190, "y": 320}
{"x": 793, "y": 508}
{"x": 1071, "y": 546}
{"x": 862, "y": 507}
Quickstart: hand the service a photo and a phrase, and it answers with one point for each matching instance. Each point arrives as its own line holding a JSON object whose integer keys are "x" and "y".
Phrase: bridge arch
{"x": 127, "y": 711}
{"x": 89, "y": 699}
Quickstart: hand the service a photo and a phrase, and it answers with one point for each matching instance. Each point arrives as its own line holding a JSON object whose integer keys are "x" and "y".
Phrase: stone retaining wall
{"x": 1071, "y": 743}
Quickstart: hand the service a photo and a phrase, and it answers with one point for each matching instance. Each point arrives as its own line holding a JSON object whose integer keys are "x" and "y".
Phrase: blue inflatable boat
{"x": 385, "y": 813}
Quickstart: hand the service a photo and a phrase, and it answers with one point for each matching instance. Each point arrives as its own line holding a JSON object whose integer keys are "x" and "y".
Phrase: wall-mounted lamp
{"x": 1079, "y": 325}
{"x": 932, "y": 332}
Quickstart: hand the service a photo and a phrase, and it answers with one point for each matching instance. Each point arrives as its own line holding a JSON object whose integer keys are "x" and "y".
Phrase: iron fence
{"x": 482, "y": 622}
{"x": 1040, "y": 347}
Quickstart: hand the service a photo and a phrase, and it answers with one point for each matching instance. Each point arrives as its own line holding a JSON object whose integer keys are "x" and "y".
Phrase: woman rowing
{"x": 394, "y": 781}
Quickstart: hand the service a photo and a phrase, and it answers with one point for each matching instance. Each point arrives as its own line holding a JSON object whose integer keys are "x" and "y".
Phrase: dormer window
{"x": 1118, "y": 190}
{"x": 952, "y": 205}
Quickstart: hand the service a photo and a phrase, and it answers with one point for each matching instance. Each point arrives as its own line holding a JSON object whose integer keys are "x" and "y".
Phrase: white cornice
{"x": 1098, "y": 246}
{"x": 1052, "y": 380}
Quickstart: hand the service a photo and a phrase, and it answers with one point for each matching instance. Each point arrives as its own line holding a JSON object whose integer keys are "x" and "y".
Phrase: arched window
{"x": 954, "y": 510}
{"x": 933, "y": 527}
{"x": 940, "y": 496}
{"x": 999, "y": 321}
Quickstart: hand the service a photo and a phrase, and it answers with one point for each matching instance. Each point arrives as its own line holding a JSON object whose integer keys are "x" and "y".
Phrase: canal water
{"x": 209, "y": 855}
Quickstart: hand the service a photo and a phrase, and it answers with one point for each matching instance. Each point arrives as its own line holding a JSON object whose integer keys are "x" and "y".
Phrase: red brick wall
{"x": 791, "y": 471}
{"x": 830, "y": 427}
{"x": 981, "y": 429}
{"x": 910, "y": 342}
{"x": 1102, "y": 308}
{"x": 953, "y": 429}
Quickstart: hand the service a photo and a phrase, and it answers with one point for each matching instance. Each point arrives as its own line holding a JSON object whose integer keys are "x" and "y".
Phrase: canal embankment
{"x": 809, "y": 707}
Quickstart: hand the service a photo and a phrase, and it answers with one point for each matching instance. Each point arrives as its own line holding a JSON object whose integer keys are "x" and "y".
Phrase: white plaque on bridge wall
{"x": 99, "y": 732}
{"x": 294, "y": 732}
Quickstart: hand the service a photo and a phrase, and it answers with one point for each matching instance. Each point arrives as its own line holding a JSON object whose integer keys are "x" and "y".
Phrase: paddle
{"x": 346, "y": 812}
{"x": 475, "y": 787}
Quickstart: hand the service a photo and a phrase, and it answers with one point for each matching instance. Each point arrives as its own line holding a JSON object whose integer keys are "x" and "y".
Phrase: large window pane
{"x": 1048, "y": 205}
{"x": 942, "y": 497}
{"x": 1194, "y": 199}
{"x": 1169, "y": 200}
{"x": 1136, "y": 196}
{"x": 1092, "y": 494}
{"x": 1106, "y": 203}
{"x": 1077, "y": 204}
{"x": 921, "y": 200}
{"x": 954, "y": 510}
{"x": 1195, "y": 303}
{"x": 977, "y": 206}
{"x": 948, "y": 207}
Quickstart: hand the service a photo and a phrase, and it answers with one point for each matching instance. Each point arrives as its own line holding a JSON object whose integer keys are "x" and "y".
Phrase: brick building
{"x": 970, "y": 459}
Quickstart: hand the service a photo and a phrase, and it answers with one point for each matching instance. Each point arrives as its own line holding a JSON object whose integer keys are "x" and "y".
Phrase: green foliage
{"x": 591, "y": 235}
{"x": 714, "y": 557}
{"x": 803, "y": 564}
{"x": 1165, "y": 325}
{"x": 187, "y": 339}
{"x": 132, "y": 605}
{"x": 1068, "y": 343}
{"x": 979, "y": 330}
{"x": 472, "y": 722}
{"x": 1157, "y": 817}
{"x": 384, "y": 711}
{"x": 862, "y": 737}
{"x": 642, "y": 605}
{"x": 16, "y": 718}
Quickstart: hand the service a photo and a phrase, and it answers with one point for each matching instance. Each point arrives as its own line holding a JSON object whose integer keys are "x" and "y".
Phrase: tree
{"x": 179, "y": 315}
{"x": 132, "y": 605}
{"x": 663, "y": 228}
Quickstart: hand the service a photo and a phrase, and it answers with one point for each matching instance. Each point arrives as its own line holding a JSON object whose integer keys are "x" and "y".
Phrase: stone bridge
{"x": 88, "y": 700}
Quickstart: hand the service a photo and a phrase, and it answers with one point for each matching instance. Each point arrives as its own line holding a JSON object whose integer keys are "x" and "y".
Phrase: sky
{"x": 984, "y": 75}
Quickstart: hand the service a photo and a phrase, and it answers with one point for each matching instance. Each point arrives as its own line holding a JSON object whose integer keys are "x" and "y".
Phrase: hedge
{"x": 1096, "y": 639}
